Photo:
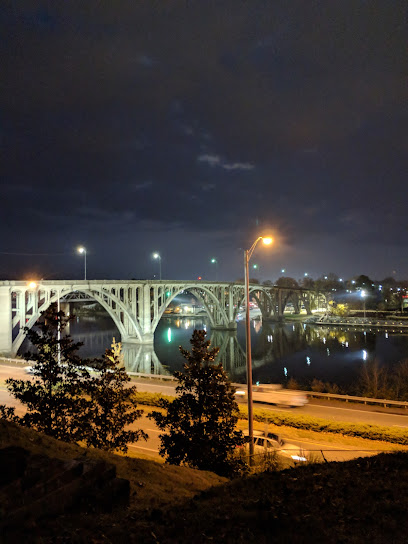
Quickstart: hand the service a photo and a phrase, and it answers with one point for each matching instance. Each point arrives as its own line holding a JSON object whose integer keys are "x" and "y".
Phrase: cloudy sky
{"x": 191, "y": 127}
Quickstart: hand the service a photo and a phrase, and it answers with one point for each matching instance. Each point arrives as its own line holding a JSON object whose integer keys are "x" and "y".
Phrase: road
{"x": 331, "y": 410}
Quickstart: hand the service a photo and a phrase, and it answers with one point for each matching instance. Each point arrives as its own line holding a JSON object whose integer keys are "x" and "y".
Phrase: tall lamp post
{"x": 215, "y": 262}
{"x": 158, "y": 257}
{"x": 247, "y": 256}
{"x": 82, "y": 251}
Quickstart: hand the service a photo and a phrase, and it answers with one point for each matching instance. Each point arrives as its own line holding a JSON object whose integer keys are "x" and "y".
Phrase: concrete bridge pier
{"x": 5, "y": 321}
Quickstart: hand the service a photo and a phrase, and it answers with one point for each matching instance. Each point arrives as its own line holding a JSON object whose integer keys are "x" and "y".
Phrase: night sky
{"x": 191, "y": 127}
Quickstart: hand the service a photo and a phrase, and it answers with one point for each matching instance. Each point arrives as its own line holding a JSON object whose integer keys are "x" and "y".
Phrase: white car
{"x": 274, "y": 443}
{"x": 274, "y": 394}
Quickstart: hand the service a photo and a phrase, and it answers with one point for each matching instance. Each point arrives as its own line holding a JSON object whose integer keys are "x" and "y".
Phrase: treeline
{"x": 374, "y": 381}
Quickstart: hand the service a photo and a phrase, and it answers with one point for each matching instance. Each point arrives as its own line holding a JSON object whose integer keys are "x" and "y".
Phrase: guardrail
{"x": 164, "y": 377}
{"x": 350, "y": 398}
{"x": 9, "y": 360}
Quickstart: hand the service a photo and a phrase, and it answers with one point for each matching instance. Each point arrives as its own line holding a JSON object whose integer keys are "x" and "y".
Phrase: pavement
{"x": 331, "y": 410}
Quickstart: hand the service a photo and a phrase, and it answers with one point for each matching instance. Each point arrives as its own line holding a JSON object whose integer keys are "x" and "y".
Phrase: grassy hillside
{"x": 365, "y": 500}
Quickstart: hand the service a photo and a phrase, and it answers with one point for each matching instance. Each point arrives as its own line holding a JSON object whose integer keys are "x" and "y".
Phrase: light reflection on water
{"x": 279, "y": 351}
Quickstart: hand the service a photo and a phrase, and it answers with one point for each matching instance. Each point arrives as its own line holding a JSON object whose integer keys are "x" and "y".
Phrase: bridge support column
{"x": 5, "y": 321}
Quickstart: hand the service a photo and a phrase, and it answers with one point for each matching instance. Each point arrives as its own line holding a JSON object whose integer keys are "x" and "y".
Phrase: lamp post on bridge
{"x": 82, "y": 251}
{"x": 256, "y": 267}
{"x": 247, "y": 256}
{"x": 158, "y": 257}
{"x": 215, "y": 262}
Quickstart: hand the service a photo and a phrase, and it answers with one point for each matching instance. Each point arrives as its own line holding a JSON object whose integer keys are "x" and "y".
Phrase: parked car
{"x": 274, "y": 443}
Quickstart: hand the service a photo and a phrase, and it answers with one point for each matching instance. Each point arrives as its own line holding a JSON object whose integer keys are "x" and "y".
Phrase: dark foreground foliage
{"x": 200, "y": 422}
{"x": 69, "y": 401}
{"x": 359, "y": 501}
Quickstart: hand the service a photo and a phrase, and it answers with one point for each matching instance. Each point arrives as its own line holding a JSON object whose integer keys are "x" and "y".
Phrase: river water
{"x": 279, "y": 351}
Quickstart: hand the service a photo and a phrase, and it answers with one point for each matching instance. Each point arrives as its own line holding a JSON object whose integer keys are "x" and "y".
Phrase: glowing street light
{"x": 363, "y": 295}
{"x": 247, "y": 255}
{"x": 215, "y": 262}
{"x": 283, "y": 271}
{"x": 82, "y": 251}
{"x": 157, "y": 256}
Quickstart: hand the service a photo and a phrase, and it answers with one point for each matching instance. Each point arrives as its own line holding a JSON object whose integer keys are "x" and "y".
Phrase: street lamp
{"x": 82, "y": 251}
{"x": 214, "y": 261}
{"x": 363, "y": 295}
{"x": 157, "y": 257}
{"x": 247, "y": 255}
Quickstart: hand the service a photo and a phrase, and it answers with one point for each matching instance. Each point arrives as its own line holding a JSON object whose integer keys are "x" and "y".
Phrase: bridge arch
{"x": 107, "y": 300}
{"x": 203, "y": 295}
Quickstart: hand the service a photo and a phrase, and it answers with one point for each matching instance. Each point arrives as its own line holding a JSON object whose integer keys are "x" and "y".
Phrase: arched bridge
{"x": 136, "y": 306}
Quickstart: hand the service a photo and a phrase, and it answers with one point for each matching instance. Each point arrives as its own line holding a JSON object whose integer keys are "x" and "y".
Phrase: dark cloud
{"x": 191, "y": 126}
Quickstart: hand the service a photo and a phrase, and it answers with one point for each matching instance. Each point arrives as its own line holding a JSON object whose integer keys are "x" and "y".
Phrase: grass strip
{"x": 298, "y": 421}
